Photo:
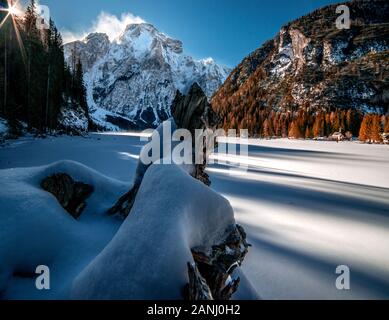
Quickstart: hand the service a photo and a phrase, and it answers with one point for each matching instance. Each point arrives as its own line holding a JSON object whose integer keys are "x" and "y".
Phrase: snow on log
{"x": 163, "y": 199}
{"x": 147, "y": 259}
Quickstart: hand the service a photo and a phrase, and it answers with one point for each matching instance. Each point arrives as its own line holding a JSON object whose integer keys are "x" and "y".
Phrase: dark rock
{"x": 70, "y": 194}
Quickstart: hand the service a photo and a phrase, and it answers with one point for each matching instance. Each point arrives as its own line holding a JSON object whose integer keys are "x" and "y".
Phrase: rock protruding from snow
{"x": 70, "y": 194}
{"x": 137, "y": 74}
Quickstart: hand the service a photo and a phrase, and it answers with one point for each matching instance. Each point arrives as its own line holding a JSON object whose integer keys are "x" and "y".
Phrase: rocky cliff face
{"x": 313, "y": 65}
{"x": 137, "y": 74}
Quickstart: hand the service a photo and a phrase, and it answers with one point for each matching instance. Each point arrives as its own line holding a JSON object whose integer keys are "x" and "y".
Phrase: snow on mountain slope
{"x": 137, "y": 74}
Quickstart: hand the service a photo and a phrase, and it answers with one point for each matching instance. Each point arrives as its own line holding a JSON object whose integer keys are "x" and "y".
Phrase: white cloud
{"x": 106, "y": 23}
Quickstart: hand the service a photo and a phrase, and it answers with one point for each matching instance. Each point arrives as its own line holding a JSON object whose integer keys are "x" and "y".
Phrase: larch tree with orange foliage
{"x": 375, "y": 135}
{"x": 294, "y": 131}
{"x": 386, "y": 128}
{"x": 365, "y": 131}
{"x": 308, "y": 133}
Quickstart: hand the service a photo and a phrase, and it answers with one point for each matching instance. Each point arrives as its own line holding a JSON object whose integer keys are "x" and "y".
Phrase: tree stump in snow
{"x": 193, "y": 112}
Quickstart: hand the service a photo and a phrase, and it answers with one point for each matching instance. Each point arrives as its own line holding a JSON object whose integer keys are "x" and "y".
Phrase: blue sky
{"x": 226, "y": 30}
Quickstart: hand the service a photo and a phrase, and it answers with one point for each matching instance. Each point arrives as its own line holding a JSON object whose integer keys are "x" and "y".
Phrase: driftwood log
{"x": 211, "y": 276}
{"x": 191, "y": 112}
{"x": 214, "y": 268}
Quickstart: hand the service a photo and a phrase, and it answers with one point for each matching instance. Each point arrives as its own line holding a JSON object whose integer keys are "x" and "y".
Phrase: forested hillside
{"x": 313, "y": 79}
{"x": 37, "y": 88}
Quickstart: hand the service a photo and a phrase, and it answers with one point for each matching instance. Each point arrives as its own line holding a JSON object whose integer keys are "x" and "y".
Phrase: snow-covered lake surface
{"x": 307, "y": 206}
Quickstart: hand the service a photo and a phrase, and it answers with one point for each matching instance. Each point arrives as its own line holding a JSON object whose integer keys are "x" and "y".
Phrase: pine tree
{"x": 267, "y": 129}
{"x": 363, "y": 136}
{"x": 335, "y": 123}
{"x": 38, "y": 81}
{"x": 375, "y": 135}
{"x": 365, "y": 131}
{"x": 294, "y": 131}
{"x": 55, "y": 76}
{"x": 308, "y": 133}
{"x": 327, "y": 125}
{"x": 285, "y": 126}
{"x": 4, "y": 44}
{"x": 12, "y": 76}
{"x": 318, "y": 127}
{"x": 386, "y": 128}
{"x": 36, "y": 69}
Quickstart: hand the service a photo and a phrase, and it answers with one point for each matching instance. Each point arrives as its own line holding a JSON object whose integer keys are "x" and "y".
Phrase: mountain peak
{"x": 96, "y": 36}
{"x": 138, "y": 73}
{"x": 139, "y": 27}
{"x": 144, "y": 36}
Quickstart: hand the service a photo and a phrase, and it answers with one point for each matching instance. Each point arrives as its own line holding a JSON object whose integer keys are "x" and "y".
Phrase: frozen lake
{"x": 307, "y": 207}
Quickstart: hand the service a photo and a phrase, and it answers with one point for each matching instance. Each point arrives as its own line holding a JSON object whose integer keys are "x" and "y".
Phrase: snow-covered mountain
{"x": 136, "y": 76}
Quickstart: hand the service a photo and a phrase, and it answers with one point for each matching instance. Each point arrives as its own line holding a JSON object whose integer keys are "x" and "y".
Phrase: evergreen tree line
{"x": 35, "y": 81}
{"x": 308, "y": 124}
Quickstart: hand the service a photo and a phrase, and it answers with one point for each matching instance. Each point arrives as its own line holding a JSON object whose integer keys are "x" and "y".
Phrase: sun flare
{"x": 14, "y": 10}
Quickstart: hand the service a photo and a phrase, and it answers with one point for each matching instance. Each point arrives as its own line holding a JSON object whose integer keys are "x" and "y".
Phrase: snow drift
{"x": 36, "y": 230}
